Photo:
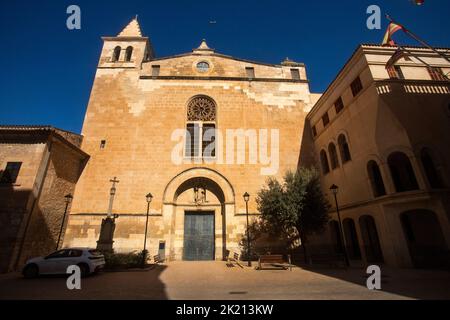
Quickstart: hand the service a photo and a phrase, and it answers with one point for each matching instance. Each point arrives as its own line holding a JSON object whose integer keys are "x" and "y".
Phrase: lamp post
{"x": 149, "y": 198}
{"x": 334, "y": 189}
{"x": 246, "y": 198}
{"x": 68, "y": 198}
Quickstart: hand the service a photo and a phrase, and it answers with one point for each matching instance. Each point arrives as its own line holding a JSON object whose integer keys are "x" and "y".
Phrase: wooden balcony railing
{"x": 412, "y": 86}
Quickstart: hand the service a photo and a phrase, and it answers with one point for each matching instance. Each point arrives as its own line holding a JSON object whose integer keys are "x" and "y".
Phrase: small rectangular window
{"x": 295, "y": 74}
{"x": 155, "y": 71}
{"x": 436, "y": 73}
{"x": 339, "y": 105}
{"x": 325, "y": 119}
{"x": 314, "y": 131}
{"x": 356, "y": 86}
{"x": 250, "y": 72}
{"x": 11, "y": 172}
{"x": 102, "y": 144}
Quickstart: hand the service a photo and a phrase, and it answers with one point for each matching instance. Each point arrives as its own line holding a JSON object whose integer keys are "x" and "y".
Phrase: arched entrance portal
{"x": 425, "y": 239}
{"x": 199, "y": 202}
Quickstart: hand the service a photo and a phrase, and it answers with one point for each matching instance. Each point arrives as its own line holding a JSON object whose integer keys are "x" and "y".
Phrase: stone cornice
{"x": 222, "y": 78}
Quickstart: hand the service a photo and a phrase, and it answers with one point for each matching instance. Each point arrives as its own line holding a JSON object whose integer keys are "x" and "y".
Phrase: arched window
{"x": 201, "y": 127}
{"x": 431, "y": 172}
{"x": 116, "y": 54}
{"x": 376, "y": 179}
{"x": 402, "y": 172}
{"x": 344, "y": 149}
{"x": 425, "y": 238}
{"x": 324, "y": 162}
{"x": 128, "y": 54}
{"x": 333, "y": 156}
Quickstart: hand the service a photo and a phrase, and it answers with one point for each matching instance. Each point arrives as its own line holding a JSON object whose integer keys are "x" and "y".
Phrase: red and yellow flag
{"x": 392, "y": 28}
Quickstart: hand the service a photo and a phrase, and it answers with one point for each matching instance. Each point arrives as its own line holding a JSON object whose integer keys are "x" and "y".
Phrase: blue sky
{"x": 47, "y": 70}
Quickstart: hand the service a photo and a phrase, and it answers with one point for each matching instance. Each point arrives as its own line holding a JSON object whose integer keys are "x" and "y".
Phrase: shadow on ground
{"x": 412, "y": 283}
{"x": 144, "y": 284}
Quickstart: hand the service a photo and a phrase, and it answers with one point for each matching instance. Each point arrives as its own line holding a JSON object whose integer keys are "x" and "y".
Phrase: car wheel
{"x": 84, "y": 268}
{"x": 31, "y": 271}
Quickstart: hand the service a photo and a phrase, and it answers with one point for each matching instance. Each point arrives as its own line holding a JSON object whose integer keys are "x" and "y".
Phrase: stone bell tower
{"x": 127, "y": 50}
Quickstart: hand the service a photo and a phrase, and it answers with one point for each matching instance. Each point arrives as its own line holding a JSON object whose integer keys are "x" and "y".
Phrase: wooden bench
{"x": 275, "y": 259}
{"x": 234, "y": 259}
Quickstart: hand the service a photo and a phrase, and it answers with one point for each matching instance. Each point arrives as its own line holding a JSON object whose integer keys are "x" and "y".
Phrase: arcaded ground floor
{"x": 215, "y": 280}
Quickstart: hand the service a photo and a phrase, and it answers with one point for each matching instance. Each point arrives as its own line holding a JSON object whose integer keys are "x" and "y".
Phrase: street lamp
{"x": 149, "y": 198}
{"x": 246, "y": 199}
{"x": 68, "y": 198}
{"x": 334, "y": 189}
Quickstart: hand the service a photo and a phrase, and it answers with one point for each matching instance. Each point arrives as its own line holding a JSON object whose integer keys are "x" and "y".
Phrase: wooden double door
{"x": 198, "y": 236}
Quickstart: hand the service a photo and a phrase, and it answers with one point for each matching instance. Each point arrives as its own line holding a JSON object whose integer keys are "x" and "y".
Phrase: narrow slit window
{"x": 102, "y": 144}
{"x": 155, "y": 71}
{"x": 250, "y": 72}
{"x": 325, "y": 119}
{"x": 295, "y": 74}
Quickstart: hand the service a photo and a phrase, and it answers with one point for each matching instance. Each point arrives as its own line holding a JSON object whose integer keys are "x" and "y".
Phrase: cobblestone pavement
{"x": 214, "y": 280}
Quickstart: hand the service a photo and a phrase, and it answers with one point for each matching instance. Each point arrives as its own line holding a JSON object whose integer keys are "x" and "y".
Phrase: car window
{"x": 95, "y": 252}
{"x": 75, "y": 253}
{"x": 58, "y": 254}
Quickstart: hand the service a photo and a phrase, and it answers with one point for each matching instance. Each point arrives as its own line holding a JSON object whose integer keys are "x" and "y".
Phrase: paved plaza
{"x": 216, "y": 280}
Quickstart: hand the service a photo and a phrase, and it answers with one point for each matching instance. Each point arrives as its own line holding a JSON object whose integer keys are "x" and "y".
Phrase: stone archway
{"x": 198, "y": 202}
{"x": 351, "y": 239}
{"x": 425, "y": 239}
{"x": 370, "y": 239}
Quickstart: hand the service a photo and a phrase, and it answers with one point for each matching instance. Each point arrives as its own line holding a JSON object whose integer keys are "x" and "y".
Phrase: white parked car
{"x": 89, "y": 260}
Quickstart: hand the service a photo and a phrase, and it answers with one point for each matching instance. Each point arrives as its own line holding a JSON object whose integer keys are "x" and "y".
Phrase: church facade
{"x": 197, "y": 131}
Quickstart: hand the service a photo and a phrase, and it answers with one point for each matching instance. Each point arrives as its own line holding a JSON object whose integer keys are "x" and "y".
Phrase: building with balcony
{"x": 382, "y": 135}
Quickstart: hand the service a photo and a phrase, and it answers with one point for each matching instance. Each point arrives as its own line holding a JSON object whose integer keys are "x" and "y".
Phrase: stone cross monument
{"x": 105, "y": 241}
